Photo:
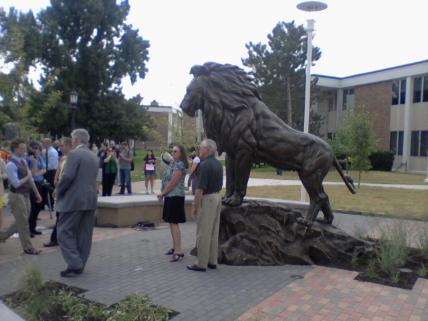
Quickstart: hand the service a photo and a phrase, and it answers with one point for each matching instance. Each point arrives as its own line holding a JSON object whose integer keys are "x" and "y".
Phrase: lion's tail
{"x": 346, "y": 178}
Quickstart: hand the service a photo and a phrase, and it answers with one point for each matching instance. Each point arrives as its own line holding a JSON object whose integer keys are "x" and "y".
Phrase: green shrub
{"x": 422, "y": 240}
{"x": 392, "y": 250}
{"x": 32, "y": 299}
{"x": 37, "y": 301}
{"x": 423, "y": 271}
{"x": 138, "y": 308}
{"x": 381, "y": 160}
{"x": 371, "y": 269}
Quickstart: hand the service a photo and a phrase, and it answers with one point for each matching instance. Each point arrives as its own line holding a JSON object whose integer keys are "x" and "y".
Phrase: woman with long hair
{"x": 173, "y": 191}
{"x": 149, "y": 171}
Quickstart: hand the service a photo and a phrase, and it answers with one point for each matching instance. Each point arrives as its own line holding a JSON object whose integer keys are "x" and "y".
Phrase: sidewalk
{"x": 139, "y": 186}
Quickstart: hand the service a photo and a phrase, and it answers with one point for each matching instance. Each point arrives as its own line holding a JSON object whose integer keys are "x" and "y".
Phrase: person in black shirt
{"x": 207, "y": 206}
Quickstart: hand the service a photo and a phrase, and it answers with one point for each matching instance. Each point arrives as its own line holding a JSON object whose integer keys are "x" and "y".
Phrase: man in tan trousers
{"x": 207, "y": 206}
{"x": 21, "y": 185}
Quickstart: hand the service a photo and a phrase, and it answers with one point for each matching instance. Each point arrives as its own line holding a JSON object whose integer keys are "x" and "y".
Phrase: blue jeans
{"x": 125, "y": 180}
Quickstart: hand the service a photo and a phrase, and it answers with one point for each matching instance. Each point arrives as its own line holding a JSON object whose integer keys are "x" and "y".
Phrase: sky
{"x": 354, "y": 36}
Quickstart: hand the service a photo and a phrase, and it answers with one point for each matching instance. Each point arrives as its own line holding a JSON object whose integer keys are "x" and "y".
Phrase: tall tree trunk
{"x": 289, "y": 107}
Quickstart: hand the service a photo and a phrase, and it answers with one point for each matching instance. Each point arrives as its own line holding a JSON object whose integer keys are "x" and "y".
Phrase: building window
{"x": 425, "y": 89}
{"x": 396, "y": 142}
{"x": 414, "y": 145}
{"x": 419, "y": 143}
{"x": 331, "y": 101}
{"x": 348, "y": 98}
{"x": 417, "y": 89}
{"x": 400, "y": 142}
{"x": 331, "y": 136}
{"x": 423, "y": 151}
{"x": 393, "y": 142}
{"x": 399, "y": 92}
{"x": 420, "y": 89}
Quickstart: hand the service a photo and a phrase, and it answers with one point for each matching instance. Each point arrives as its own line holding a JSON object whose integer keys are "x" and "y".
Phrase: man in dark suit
{"x": 76, "y": 202}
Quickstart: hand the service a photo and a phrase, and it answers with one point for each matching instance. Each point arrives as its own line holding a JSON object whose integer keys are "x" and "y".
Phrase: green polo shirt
{"x": 210, "y": 176}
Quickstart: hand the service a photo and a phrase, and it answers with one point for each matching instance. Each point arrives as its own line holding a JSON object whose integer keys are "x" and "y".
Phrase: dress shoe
{"x": 36, "y": 232}
{"x": 212, "y": 266}
{"x": 170, "y": 252}
{"x": 177, "y": 257}
{"x": 67, "y": 273}
{"x": 50, "y": 244}
{"x": 194, "y": 267}
{"x": 32, "y": 251}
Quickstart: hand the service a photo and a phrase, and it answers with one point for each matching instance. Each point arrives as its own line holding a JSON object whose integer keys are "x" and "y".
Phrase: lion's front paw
{"x": 326, "y": 220}
{"x": 234, "y": 200}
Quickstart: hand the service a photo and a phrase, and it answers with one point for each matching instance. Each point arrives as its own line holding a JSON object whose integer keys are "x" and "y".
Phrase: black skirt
{"x": 173, "y": 210}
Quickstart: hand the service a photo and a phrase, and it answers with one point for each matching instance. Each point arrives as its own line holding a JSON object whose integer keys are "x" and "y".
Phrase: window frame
{"x": 400, "y": 85}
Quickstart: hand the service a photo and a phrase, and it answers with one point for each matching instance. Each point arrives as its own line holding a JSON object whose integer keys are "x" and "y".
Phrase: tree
{"x": 85, "y": 46}
{"x": 279, "y": 71}
{"x": 15, "y": 56}
{"x": 356, "y": 139}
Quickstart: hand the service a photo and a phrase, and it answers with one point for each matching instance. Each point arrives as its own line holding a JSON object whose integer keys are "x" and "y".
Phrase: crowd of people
{"x": 65, "y": 176}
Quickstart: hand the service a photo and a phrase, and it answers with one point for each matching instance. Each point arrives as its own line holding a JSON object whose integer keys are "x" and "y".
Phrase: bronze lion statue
{"x": 235, "y": 116}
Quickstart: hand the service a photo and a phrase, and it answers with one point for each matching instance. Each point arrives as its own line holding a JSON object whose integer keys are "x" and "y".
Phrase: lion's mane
{"x": 227, "y": 96}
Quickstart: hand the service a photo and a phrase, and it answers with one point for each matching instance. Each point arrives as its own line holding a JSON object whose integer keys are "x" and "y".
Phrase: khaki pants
{"x": 207, "y": 229}
{"x": 21, "y": 207}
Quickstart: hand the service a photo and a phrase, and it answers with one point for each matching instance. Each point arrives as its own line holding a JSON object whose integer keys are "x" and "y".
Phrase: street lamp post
{"x": 73, "y": 106}
{"x": 308, "y": 6}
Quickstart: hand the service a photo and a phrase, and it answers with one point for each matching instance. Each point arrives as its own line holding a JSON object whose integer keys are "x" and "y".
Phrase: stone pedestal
{"x": 268, "y": 233}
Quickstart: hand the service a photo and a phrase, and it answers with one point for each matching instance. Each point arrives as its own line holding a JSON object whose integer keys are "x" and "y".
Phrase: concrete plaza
{"x": 126, "y": 260}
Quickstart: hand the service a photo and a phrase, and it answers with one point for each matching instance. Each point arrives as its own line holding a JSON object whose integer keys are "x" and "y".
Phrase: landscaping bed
{"x": 52, "y": 301}
{"x": 392, "y": 263}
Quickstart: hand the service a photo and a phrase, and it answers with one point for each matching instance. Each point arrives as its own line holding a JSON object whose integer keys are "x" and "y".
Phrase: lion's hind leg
{"x": 326, "y": 207}
{"x": 310, "y": 182}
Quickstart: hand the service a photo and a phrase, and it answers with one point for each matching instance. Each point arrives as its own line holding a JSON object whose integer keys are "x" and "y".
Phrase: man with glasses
{"x": 207, "y": 207}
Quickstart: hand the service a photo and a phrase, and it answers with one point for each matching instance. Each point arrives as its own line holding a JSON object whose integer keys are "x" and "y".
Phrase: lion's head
{"x": 216, "y": 85}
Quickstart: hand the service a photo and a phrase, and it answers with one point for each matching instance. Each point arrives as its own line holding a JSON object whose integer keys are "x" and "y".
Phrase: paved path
{"x": 135, "y": 263}
{"x": 139, "y": 186}
{"x": 287, "y": 182}
{"x": 327, "y": 294}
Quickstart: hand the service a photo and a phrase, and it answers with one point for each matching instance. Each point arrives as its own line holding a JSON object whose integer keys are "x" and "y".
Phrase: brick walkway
{"x": 327, "y": 294}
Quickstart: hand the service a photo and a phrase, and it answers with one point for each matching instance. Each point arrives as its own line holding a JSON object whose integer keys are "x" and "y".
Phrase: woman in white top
{"x": 194, "y": 170}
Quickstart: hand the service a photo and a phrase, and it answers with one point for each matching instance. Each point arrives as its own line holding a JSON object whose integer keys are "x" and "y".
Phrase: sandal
{"x": 170, "y": 252}
{"x": 32, "y": 251}
{"x": 177, "y": 257}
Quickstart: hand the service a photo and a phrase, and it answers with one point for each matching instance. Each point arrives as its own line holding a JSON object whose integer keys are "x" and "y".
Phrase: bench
{"x": 128, "y": 210}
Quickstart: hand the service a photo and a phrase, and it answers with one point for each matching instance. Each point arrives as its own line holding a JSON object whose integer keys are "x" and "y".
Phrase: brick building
{"x": 396, "y": 97}
{"x": 170, "y": 125}
{"x": 166, "y": 126}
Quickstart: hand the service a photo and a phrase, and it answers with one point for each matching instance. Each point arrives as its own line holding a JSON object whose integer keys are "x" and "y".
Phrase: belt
{"x": 210, "y": 193}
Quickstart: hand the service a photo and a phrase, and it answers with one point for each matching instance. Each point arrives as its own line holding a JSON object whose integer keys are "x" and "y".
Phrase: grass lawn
{"x": 395, "y": 202}
{"x": 333, "y": 176}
